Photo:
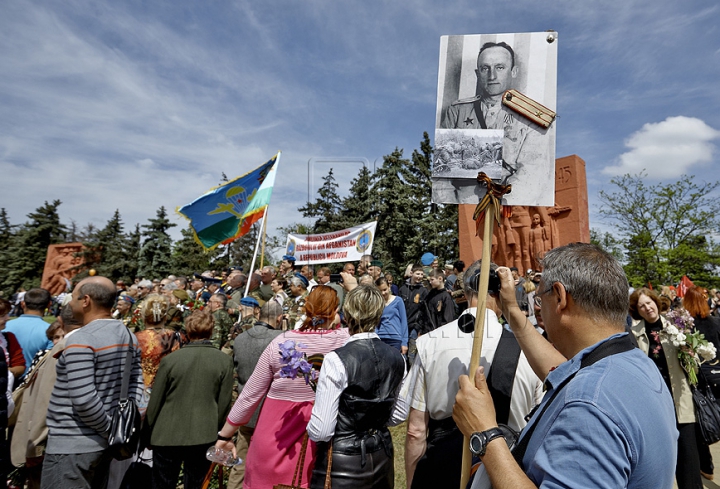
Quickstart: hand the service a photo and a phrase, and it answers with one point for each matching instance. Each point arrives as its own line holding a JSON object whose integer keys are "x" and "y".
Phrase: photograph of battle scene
{"x": 462, "y": 154}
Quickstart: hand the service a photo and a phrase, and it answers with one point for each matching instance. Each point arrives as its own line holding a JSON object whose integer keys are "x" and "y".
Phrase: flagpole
{"x": 252, "y": 265}
{"x": 264, "y": 235}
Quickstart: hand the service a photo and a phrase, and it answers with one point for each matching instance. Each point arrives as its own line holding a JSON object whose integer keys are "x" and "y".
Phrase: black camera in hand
{"x": 493, "y": 281}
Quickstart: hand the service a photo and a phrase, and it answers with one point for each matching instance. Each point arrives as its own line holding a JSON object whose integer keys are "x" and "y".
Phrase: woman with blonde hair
{"x": 357, "y": 398}
{"x": 288, "y": 399}
{"x": 155, "y": 340}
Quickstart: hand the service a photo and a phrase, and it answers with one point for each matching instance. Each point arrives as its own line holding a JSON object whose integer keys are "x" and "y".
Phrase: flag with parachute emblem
{"x": 227, "y": 212}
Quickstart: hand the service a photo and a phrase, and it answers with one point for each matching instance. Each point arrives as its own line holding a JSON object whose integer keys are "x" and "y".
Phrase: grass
{"x": 398, "y": 436}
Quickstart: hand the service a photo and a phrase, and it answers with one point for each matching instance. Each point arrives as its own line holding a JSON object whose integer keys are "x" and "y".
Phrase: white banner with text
{"x": 339, "y": 246}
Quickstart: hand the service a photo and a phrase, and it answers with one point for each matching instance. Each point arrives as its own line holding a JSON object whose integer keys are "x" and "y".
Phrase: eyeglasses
{"x": 538, "y": 300}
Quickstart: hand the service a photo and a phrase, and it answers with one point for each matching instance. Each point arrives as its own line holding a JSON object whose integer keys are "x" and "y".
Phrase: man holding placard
{"x": 607, "y": 419}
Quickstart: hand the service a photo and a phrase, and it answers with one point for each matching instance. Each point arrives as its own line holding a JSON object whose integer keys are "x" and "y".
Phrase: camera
{"x": 336, "y": 278}
{"x": 493, "y": 281}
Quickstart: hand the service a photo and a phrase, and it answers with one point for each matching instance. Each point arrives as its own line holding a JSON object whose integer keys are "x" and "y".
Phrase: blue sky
{"x": 133, "y": 105}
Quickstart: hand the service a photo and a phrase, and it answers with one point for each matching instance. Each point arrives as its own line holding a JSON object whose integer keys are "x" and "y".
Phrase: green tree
{"x": 188, "y": 256}
{"x": 6, "y": 229}
{"x": 240, "y": 252}
{"x": 439, "y": 223}
{"x": 27, "y": 248}
{"x": 155, "y": 257}
{"x": 359, "y": 206}
{"x": 108, "y": 251}
{"x": 6, "y": 236}
{"x": 326, "y": 208}
{"x": 607, "y": 242}
{"x": 134, "y": 241}
{"x": 396, "y": 237}
{"x": 409, "y": 224}
{"x": 664, "y": 228}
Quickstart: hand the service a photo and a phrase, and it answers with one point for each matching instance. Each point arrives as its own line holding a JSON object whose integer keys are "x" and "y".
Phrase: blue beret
{"x": 289, "y": 258}
{"x": 127, "y": 298}
{"x": 427, "y": 259}
{"x": 249, "y": 301}
{"x": 303, "y": 279}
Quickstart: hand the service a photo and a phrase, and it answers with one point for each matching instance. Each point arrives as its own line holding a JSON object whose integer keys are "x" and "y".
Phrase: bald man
{"x": 89, "y": 375}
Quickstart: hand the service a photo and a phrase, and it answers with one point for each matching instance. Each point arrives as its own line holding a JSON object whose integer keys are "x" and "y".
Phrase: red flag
{"x": 684, "y": 285}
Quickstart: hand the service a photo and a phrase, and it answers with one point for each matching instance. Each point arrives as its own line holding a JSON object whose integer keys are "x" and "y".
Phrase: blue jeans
{"x": 395, "y": 343}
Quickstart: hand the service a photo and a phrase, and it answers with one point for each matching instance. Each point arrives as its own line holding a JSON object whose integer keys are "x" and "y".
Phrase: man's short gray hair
{"x": 592, "y": 276}
{"x": 297, "y": 282}
{"x": 270, "y": 311}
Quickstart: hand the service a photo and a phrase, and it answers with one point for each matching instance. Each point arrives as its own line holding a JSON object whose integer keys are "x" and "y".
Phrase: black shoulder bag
{"x": 611, "y": 347}
{"x": 125, "y": 422}
{"x": 707, "y": 411}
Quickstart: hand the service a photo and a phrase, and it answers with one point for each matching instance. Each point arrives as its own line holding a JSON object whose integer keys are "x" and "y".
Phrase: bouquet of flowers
{"x": 295, "y": 363}
{"x": 191, "y": 305}
{"x": 693, "y": 348}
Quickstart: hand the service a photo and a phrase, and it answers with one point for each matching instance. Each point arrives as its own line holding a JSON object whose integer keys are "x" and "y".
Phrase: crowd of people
{"x": 299, "y": 371}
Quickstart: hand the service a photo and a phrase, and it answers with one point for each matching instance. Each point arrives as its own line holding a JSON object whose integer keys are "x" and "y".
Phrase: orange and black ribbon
{"x": 494, "y": 194}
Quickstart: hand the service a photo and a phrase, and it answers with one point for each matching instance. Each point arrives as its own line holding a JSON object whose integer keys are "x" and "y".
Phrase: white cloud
{"x": 667, "y": 149}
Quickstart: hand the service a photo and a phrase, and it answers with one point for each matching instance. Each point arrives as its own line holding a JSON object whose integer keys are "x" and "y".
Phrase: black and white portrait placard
{"x": 475, "y": 71}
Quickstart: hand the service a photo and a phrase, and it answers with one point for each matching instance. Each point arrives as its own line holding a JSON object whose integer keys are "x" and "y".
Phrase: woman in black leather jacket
{"x": 356, "y": 400}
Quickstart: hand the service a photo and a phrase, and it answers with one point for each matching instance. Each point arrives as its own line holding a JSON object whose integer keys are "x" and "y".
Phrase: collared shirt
{"x": 331, "y": 384}
{"x": 444, "y": 355}
{"x": 613, "y": 425}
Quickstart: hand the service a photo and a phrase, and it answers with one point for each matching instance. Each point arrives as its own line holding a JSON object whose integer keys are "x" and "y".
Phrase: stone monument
{"x": 61, "y": 265}
{"x": 524, "y": 238}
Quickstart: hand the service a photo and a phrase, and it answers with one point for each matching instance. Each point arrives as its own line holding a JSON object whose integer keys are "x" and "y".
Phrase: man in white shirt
{"x": 433, "y": 447}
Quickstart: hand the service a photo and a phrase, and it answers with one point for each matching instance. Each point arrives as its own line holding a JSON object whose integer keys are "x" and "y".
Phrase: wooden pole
{"x": 479, "y": 332}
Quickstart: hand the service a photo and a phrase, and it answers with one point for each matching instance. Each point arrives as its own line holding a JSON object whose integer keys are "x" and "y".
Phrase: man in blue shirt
{"x": 29, "y": 329}
{"x": 605, "y": 423}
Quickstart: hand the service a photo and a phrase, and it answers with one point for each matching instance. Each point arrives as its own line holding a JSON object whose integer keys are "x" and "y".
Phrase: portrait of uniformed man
{"x": 475, "y": 73}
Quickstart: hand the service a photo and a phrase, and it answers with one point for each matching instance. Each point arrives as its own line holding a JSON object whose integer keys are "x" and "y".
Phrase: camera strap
{"x": 608, "y": 348}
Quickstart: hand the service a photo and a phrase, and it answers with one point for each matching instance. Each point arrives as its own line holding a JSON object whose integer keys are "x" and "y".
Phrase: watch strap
{"x": 490, "y": 435}
{"x": 224, "y": 438}
{"x": 484, "y": 438}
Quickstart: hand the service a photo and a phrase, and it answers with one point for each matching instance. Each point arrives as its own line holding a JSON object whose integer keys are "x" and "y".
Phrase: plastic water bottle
{"x": 223, "y": 457}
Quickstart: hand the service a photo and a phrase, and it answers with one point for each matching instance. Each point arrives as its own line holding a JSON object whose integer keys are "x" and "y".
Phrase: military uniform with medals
{"x": 294, "y": 307}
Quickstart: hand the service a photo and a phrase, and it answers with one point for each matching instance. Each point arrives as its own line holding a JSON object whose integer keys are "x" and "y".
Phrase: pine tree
{"x": 439, "y": 223}
{"x": 107, "y": 251}
{"x": 326, "y": 208}
{"x": 240, "y": 252}
{"x": 134, "y": 240}
{"x": 6, "y": 229}
{"x": 395, "y": 211}
{"x": 6, "y": 237}
{"x": 155, "y": 258}
{"x": 27, "y": 249}
{"x": 359, "y": 206}
{"x": 188, "y": 256}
